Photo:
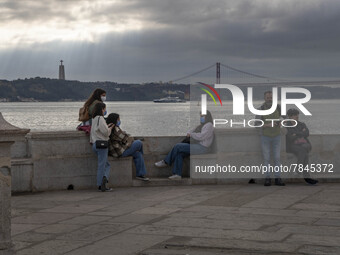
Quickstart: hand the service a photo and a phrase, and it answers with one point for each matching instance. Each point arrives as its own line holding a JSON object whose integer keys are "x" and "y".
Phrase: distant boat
{"x": 169, "y": 100}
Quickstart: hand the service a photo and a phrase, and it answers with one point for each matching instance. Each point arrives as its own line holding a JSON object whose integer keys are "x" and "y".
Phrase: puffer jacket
{"x": 300, "y": 131}
{"x": 119, "y": 142}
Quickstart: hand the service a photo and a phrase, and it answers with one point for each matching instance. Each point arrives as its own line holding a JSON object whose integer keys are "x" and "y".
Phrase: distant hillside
{"x": 45, "y": 89}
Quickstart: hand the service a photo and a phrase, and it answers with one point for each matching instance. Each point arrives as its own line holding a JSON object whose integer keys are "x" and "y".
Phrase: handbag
{"x": 102, "y": 144}
{"x": 189, "y": 140}
{"x": 84, "y": 114}
{"x": 186, "y": 140}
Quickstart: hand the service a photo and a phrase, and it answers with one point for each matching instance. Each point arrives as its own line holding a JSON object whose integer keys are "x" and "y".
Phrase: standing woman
{"x": 100, "y": 133}
{"x": 203, "y": 135}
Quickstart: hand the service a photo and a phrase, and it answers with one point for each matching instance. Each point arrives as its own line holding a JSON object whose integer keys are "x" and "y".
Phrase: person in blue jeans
{"x": 100, "y": 131}
{"x": 122, "y": 144}
{"x": 271, "y": 139}
{"x": 268, "y": 144}
{"x": 203, "y": 135}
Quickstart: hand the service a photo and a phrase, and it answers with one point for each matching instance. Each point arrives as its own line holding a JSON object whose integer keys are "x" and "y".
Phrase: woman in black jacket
{"x": 297, "y": 142}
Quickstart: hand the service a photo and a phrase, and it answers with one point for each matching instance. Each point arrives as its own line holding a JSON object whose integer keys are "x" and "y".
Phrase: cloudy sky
{"x": 152, "y": 40}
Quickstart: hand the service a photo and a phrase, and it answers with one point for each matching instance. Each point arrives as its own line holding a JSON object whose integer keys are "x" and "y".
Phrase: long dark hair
{"x": 112, "y": 118}
{"x": 98, "y": 109}
{"x": 94, "y": 96}
{"x": 208, "y": 118}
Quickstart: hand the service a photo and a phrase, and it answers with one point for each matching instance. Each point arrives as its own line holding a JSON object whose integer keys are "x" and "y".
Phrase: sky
{"x": 136, "y": 41}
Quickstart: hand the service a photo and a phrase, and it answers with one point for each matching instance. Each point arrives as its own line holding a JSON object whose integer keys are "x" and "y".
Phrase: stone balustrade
{"x": 11, "y": 138}
{"x": 63, "y": 159}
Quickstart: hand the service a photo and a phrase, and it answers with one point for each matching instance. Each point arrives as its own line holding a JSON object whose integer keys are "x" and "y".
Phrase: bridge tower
{"x": 218, "y": 73}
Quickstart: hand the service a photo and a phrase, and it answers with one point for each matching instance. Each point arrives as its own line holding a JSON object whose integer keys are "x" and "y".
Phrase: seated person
{"x": 297, "y": 142}
{"x": 203, "y": 134}
{"x": 122, "y": 144}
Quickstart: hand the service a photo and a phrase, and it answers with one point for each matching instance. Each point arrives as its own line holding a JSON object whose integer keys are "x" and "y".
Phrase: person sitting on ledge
{"x": 86, "y": 112}
{"x": 122, "y": 144}
{"x": 297, "y": 142}
{"x": 100, "y": 132}
{"x": 97, "y": 96}
{"x": 201, "y": 140}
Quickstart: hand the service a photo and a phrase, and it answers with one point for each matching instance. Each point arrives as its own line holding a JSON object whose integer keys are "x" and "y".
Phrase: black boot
{"x": 311, "y": 181}
{"x": 252, "y": 181}
{"x": 267, "y": 182}
{"x": 103, "y": 186}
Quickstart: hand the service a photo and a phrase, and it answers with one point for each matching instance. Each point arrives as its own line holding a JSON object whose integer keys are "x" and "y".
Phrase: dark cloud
{"x": 34, "y": 11}
{"x": 277, "y": 38}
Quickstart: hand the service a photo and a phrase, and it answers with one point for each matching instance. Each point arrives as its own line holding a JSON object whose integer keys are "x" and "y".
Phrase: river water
{"x": 152, "y": 119}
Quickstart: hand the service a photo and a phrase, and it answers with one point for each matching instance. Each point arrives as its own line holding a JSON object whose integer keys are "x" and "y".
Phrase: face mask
{"x": 103, "y": 99}
{"x": 118, "y": 123}
{"x": 105, "y": 113}
{"x": 202, "y": 119}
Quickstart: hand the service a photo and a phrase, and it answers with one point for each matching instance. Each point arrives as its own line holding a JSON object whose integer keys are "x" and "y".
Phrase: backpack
{"x": 84, "y": 114}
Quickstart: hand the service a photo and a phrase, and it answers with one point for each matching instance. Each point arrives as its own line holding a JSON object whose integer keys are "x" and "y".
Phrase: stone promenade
{"x": 198, "y": 220}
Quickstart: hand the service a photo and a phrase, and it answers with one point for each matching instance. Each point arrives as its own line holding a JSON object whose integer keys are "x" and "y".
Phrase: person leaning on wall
{"x": 86, "y": 112}
{"x": 270, "y": 133}
{"x": 100, "y": 133}
{"x": 97, "y": 96}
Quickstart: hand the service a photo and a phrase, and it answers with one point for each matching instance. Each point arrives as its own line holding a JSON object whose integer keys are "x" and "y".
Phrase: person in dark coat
{"x": 122, "y": 144}
{"x": 297, "y": 142}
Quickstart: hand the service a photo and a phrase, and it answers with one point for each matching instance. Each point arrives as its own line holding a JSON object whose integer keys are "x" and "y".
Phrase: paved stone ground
{"x": 200, "y": 220}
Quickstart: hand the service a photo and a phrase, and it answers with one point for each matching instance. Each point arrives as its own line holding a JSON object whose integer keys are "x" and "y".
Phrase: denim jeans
{"x": 181, "y": 150}
{"x": 301, "y": 151}
{"x": 136, "y": 151}
{"x": 271, "y": 144}
{"x": 103, "y": 164}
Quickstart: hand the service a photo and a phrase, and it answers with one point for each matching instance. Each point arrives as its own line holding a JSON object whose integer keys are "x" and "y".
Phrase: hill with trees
{"x": 46, "y": 89}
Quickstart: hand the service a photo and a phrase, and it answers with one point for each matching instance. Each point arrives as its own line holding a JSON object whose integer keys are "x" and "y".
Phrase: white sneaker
{"x": 142, "y": 178}
{"x": 161, "y": 164}
{"x": 175, "y": 177}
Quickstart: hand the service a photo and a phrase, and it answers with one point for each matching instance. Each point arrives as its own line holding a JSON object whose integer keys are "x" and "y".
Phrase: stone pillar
{"x": 7, "y": 131}
{"x": 5, "y": 195}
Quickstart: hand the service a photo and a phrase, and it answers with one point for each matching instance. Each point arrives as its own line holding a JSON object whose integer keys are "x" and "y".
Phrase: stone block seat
{"x": 63, "y": 160}
{"x": 159, "y": 176}
{"x": 121, "y": 172}
{"x": 58, "y": 160}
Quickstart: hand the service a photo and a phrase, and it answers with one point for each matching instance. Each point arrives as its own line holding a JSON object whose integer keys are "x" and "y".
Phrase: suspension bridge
{"x": 228, "y": 74}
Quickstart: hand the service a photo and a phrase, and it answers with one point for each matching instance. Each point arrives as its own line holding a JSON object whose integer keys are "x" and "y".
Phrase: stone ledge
{"x": 21, "y": 161}
{"x": 161, "y": 182}
{"x": 60, "y": 153}
{"x": 202, "y": 156}
{"x": 8, "y": 129}
{"x": 251, "y": 131}
{"x": 56, "y": 134}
